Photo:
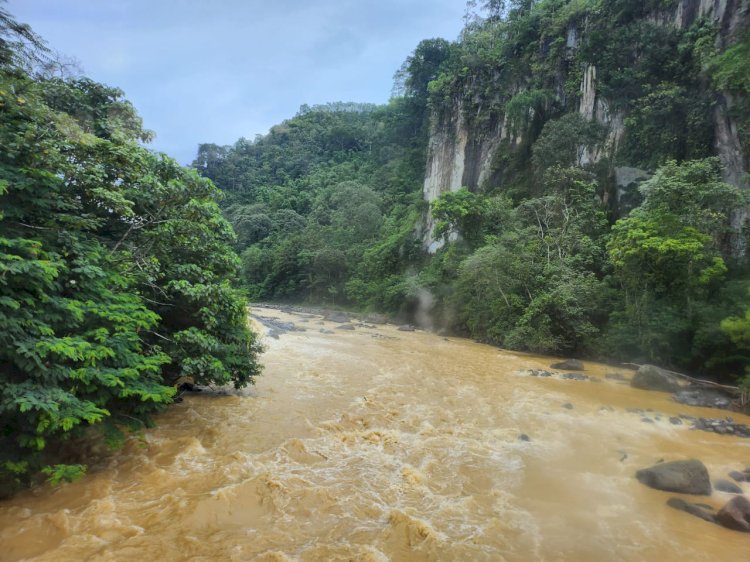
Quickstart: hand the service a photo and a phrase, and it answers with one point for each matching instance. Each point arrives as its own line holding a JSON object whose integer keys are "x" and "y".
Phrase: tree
{"x": 666, "y": 257}
{"x": 116, "y": 275}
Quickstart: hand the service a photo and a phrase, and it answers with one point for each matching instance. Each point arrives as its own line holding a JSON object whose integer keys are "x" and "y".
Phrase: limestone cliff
{"x": 466, "y": 152}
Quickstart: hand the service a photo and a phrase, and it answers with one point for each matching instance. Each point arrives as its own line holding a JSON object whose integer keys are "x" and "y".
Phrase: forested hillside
{"x": 567, "y": 177}
{"x": 116, "y": 269}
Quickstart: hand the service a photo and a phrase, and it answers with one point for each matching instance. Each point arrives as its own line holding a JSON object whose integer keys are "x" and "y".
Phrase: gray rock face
{"x": 684, "y": 477}
{"x": 727, "y": 486}
{"x": 650, "y": 377}
{"x": 735, "y": 514}
{"x": 693, "y": 509}
{"x": 703, "y": 397}
{"x": 568, "y": 365}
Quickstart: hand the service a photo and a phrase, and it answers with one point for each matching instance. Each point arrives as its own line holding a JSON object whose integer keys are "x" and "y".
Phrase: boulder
{"x": 727, "y": 486}
{"x": 524, "y": 437}
{"x": 739, "y": 476}
{"x": 735, "y": 514}
{"x": 339, "y": 317}
{"x": 696, "y": 509}
{"x": 703, "y": 397}
{"x": 683, "y": 477}
{"x": 345, "y": 327}
{"x": 568, "y": 365}
{"x": 650, "y": 377}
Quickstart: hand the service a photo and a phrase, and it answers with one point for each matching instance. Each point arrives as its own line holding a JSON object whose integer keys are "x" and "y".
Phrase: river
{"x": 376, "y": 444}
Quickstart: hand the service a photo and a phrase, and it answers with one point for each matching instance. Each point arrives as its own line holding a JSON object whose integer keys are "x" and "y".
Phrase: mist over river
{"x": 377, "y": 444}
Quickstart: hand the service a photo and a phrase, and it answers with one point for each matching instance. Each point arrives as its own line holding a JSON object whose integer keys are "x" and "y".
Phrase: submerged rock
{"x": 702, "y": 397}
{"x": 575, "y": 377}
{"x": 616, "y": 377}
{"x": 699, "y": 510}
{"x": 568, "y": 406}
{"x": 524, "y": 437}
{"x": 726, "y": 486}
{"x": 406, "y": 328}
{"x": 739, "y": 476}
{"x": 540, "y": 373}
{"x": 345, "y": 327}
{"x": 726, "y": 426}
{"x": 651, "y": 377}
{"x": 685, "y": 477}
{"x": 568, "y": 365}
{"x": 735, "y": 514}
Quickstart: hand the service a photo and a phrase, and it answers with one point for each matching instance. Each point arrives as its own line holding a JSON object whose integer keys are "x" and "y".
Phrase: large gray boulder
{"x": 651, "y": 377}
{"x": 683, "y": 477}
{"x": 735, "y": 514}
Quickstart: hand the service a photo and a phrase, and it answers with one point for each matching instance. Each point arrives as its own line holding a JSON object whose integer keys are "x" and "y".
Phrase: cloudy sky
{"x": 213, "y": 71}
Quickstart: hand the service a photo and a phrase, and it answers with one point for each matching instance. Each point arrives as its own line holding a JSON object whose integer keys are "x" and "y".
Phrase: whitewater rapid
{"x": 374, "y": 445}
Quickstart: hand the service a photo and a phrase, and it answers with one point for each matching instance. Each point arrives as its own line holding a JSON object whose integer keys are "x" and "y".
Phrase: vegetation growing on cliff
{"x": 116, "y": 269}
{"x": 542, "y": 256}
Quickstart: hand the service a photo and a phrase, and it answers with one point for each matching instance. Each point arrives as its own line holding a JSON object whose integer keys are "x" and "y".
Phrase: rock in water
{"x": 345, "y": 327}
{"x": 406, "y": 328}
{"x": 727, "y": 486}
{"x": 650, "y": 377}
{"x": 693, "y": 509}
{"x": 707, "y": 398}
{"x": 735, "y": 514}
{"x": 568, "y": 365}
{"x": 739, "y": 476}
{"x": 684, "y": 477}
{"x": 339, "y": 317}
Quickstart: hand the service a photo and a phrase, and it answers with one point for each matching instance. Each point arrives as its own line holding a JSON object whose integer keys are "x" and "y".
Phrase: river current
{"x": 375, "y": 445}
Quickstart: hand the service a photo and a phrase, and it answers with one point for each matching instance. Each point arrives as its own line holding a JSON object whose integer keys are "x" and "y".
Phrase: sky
{"x": 217, "y": 70}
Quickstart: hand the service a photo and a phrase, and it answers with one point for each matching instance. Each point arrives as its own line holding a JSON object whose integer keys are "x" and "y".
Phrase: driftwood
{"x": 699, "y": 382}
{"x": 741, "y": 396}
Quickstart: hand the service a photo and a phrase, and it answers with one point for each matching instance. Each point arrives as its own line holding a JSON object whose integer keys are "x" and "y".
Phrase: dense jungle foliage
{"x": 117, "y": 272}
{"x": 545, "y": 255}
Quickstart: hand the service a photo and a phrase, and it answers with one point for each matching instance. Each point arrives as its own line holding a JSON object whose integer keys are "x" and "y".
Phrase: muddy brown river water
{"x": 378, "y": 445}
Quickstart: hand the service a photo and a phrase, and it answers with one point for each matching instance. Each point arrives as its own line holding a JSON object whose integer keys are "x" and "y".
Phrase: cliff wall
{"x": 464, "y": 152}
